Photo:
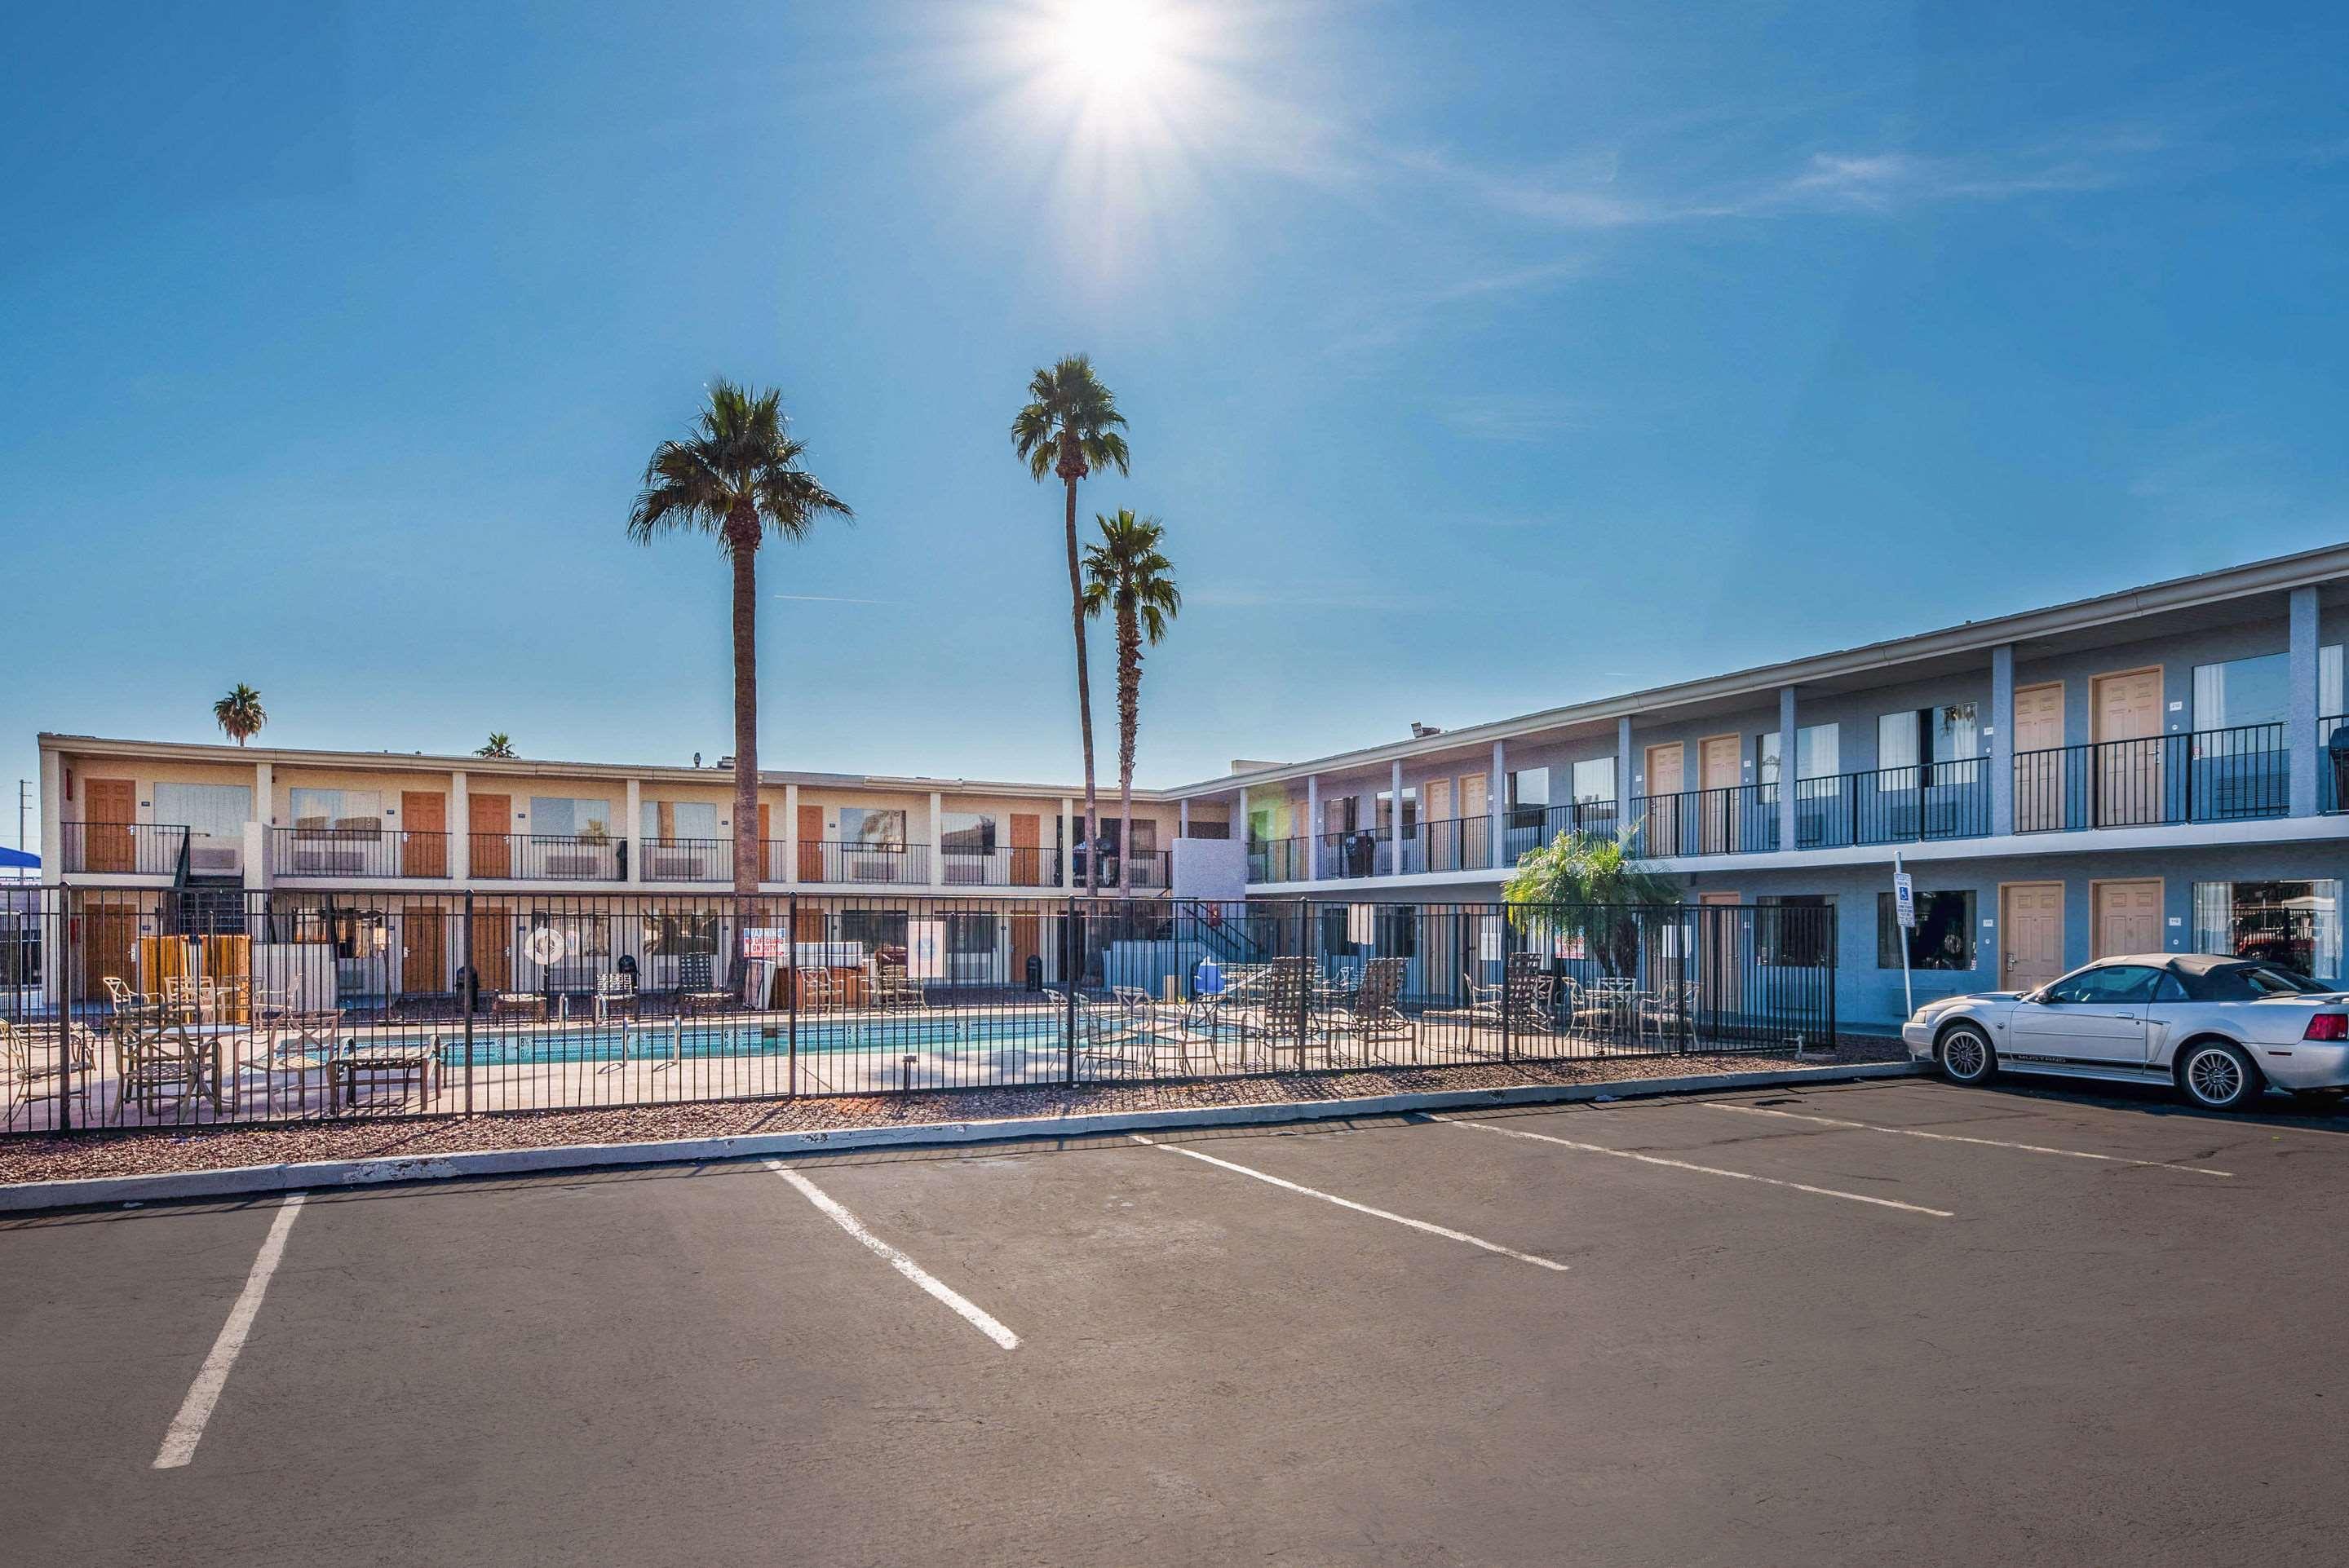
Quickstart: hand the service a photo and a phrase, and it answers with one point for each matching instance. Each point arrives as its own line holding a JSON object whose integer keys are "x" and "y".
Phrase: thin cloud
{"x": 830, "y": 599}
{"x": 1320, "y": 599}
{"x": 1506, "y": 417}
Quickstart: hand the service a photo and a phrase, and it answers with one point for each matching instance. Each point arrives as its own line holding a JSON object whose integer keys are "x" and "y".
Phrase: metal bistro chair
{"x": 77, "y": 1061}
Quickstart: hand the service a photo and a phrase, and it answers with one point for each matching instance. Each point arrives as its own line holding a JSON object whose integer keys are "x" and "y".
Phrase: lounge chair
{"x": 1373, "y": 1013}
{"x": 1286, "y": 1019}
{"x": 615, "y": 993}
{"x": 518, "y": 1007}
{"x": 894, "y": 992}
{"x": 697, "y": 988}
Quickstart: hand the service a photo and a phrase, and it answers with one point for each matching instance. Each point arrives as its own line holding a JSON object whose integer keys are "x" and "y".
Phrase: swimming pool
{"x": 678, "y": 1041}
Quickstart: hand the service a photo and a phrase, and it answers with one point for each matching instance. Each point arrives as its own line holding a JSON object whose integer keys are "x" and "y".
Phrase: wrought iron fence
{"x": 131, "y": 1008}
{"x": 2204, "y": 776}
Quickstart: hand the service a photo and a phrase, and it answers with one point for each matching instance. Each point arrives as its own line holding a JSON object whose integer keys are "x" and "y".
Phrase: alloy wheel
{"x": 1965, "y": 1056}
{"x": 2215, "y": 1077}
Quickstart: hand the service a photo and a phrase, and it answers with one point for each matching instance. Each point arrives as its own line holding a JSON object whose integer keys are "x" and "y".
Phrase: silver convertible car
{"x": 2219, "y": 1030}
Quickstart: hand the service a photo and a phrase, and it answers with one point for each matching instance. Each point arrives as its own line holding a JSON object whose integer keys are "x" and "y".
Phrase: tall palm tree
{"x": 737, "y": 478}
{"x": 1128, "y": 575}
{"x": 501, "y": 745}
{"x": 239, "y": 714}
{"x": 1068, "y": 427}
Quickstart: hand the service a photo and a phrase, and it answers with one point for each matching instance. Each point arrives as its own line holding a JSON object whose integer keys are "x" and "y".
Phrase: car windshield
{"x": 2247, "y": 983}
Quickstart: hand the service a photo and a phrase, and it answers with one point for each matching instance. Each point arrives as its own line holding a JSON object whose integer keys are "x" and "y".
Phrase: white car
{"x": 2219, "y": 1030}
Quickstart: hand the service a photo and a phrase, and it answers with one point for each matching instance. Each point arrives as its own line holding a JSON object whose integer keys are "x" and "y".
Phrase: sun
{"x": 1113, "y": 44}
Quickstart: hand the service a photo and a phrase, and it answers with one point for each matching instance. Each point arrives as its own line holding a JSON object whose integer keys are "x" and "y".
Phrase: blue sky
{"x": 1478, "y": 357}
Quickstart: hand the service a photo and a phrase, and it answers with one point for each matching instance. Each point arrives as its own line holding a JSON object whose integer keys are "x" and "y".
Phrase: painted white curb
{"x": 316, "y": 1175}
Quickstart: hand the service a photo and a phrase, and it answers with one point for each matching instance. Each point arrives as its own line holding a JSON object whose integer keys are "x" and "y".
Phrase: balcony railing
{"x": 1277, "y": 859}
{"x": 1742, "y": 819}
{"x": 1923, "y": 802}
{"x": 1532, "y": 827}
{"x": 2207, "y": 776}
{"x": 687, "y": 860}
{"x": 1360, "y": 853}
{"x": 864, "y": 865}
{"x": 1027, "y": 867}
{"x": 367, "y": 851}
{"x": 1152, "y": 868}
{"x": 2333, "y": 763}
{"x": 124, "y": 848}
{"x": 1450, "y": 844}
{"x": 546, "y": 857}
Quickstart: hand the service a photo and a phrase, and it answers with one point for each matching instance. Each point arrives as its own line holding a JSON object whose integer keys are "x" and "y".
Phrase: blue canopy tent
{"x": 19, "y": 862}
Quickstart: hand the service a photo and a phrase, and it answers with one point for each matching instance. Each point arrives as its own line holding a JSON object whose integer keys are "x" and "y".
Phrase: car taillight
{"x": 2327, "y": 1026}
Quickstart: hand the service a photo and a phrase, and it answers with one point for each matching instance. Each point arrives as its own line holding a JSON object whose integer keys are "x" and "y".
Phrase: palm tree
{"x": 1127, "y": 573}
{"x": 501, "y": 745}
{"x": 737, "y": 478}
{"x": 239, "y": 714}
{"x": 1584, "y": 885}
{"x": 1070, "y": 426}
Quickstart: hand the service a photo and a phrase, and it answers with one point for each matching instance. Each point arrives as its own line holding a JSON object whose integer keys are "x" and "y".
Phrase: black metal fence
{"x": 153, "y": 1007}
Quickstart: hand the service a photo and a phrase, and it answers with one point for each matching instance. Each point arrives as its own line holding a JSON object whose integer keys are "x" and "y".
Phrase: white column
{"x": 1625, "y": 779}
{"x": 460, "y": 829}
{"x": 1395, "y": 823}
{"x": 791, "y": 833}
{"x": 53, "y": 819}
{"x": 2300, "y": 736}
{"x": 1787, "y": 834}
{"x": 1312, "y": 828}
{"x": 632, "y": 832}
{"x": 1183, "y": 817}
{"x": 2002, "y": 741}
{"x": 1068, "y": 843}
{"x": 1497, "y": 807}
{"x": 257, "y": 868}
{"x": 938, "y": 839}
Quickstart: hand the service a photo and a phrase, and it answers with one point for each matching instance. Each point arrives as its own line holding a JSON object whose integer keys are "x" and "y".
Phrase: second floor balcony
{"x": 125, "y": 849}
{"x": 547, "y": 857}
{"x": 368, "y": 850}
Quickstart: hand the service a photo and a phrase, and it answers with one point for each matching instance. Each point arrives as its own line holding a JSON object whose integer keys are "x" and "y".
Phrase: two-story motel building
{"x": 2143, "y": 770}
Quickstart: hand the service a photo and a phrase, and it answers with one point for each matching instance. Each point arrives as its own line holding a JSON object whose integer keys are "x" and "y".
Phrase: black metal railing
{"x": 1741, "y": 820}
{"x": 1362, "y": 853}
{"x": 1923, "y": 802}
{"x": 124, "y": 848}
{"x": 1151, "y": 870}
{"x": 2204, "y": 776}
{"x": 1279, "y": 860}
{"x": 1027, "y": 867}
{"x": 1531, "y": 827}
{"x": 864, "y": 865}
{"x": 369, "y": 851}
{"x": 1452, "y": 844}
{"x": 685, "y": 860}
{"x": 546, "y": 857}
{"x": 305, "y": 1003}
{"x": 2333, "y": 763}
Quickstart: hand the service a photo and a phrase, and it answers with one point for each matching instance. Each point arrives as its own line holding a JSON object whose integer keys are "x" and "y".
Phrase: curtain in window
{"x": 2328, "y": 682}
{"x": 2214, "y": 917}
{"x": 1896, "y": 740}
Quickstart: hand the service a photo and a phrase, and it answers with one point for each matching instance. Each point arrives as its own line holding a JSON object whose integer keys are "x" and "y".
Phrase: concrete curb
{"x": 237, "y": 1180}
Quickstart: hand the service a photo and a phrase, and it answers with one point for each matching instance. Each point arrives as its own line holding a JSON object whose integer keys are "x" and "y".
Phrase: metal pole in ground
{"x": 1508, "y": 1001}
{"x": 66, "y": 976}
{"x": 467, "y": 995}
{"x": 791, "y": 986}
{"x": 1072, "y": 940}
{"x": 1308, "y": 964}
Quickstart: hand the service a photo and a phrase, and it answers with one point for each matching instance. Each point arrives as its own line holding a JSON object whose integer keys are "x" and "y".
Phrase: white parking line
{"x": 1703, "y": 1169}
{"x": 1960, "y": 1138}
{"x": 187, "y": 1428}
{"x": 962, "y": 1306}
{"x": 1359, "y": 1208}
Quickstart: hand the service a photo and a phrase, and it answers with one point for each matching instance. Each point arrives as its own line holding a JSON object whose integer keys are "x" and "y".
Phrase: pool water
{"x": 661, "y": 1042}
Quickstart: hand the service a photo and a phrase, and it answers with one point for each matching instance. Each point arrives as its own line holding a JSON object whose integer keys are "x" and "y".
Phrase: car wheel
{"x": 1967, "y": 1056}
{"x": 2218, "y": 1076}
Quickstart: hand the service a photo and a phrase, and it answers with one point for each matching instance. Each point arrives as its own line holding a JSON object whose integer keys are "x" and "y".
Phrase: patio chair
{"x": 894, "y": 992}
{"x": 72, "y": 1072}
{"x": 117, "y": 993}
{"x": 697, "y": 986}
{"x": 1287, "y": 1022}
{"x": 615, "y": 993}
{"x": 518, "y": 1007}
{"x": 1122, "y": 1035}
{"x": 1372, "y": 1014}
{"x": 1529, "y": 995}
{"x": 154, "y": 1059}
{"x": 303, "y": 1044}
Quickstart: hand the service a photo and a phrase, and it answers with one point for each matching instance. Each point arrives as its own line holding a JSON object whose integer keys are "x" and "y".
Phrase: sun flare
{"x": 1113, "y": 44}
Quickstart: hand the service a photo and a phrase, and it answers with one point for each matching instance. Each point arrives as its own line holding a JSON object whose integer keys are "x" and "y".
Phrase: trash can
{"x": 1035, "y": 972}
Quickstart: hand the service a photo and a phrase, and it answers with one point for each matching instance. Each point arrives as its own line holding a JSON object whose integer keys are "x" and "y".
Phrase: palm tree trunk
{"x": 1129, "y": 721}
{"x": 1084, "y": 683}
{"x": 742, "y": 550}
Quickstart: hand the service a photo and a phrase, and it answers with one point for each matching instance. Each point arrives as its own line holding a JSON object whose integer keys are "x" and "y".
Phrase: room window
{"x": 1594, "y": 781}
{"x": 210, "y": 810}
{"x": 1944, "y": 937}
{"x": 676, "y": 934}
{"x": 968, "y": 833}
{"x": 873, "y": 828}
{"x": 353, "y": 934}
{"x": 877, "y": 929}
{"x": 1795, "y": 931}
{"x": 2328, "y": 681}
{"x": 680, "y": 819}
{"x": 2241, "y": 692}
{"x": 569, "y": 817}
{"x": 968, "y": 934}
{"x": 1818, "y": 751}
{"x": 1410, "y": 810}
{"x": 1260, "y": 827}
{"x": 2296, "y": 924}
{"x": 575, "y": 937}
{"x": 1765, "y": 748}
{"x": 1529, "y": 796}
{"x": 345, "y": 810}
{"x": 1922, "y": 737}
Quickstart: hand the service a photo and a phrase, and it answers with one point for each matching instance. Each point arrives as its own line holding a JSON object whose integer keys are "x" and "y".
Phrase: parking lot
{"x": 1840, "y": 1325}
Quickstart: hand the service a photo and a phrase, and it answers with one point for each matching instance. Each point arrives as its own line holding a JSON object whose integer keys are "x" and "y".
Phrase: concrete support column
{"x": 2002, "y": 741}
{"x": 1395, "y": 825}
{"x": 257, "y": 868}
{"x": 1624, "y": 778}
{"x": 1183, "y": 817}
{"x": 1068, "y": 844}
{"x": 460, "y": 829}
{"x": 2300, "y": 734}
{"x": 632, "y": 832}
{"x": 791, "y": 833}
{"x": 1312, "y": 828}
{"x": 1497, "y": 807}
{"x": 53, "y": 819}
{"x": 1787, "y": 833}
{"x": 937, "y": 838}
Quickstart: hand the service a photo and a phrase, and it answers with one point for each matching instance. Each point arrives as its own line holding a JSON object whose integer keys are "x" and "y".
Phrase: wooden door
{"x": 1027, "y": 859}
{"x": 493, "y": 940}
{"x": 2128, "y": 917}
{"x": 2039, "y": 758}
{"x": 108, "y": 931}
{"x": 810, "y": 844}
{"x": 771, "y": 865}
{"x": 1722, "y": 936}
{"x": 424, "y": 946}
{"x": 490, "y": 818}
{"x": 1442, "y": 832}
{"x": 2031, "y": 934}
{"x": 1025, "y": 944}
{"x": 1476, "y": 830}
{"x": 109, "y": 808}
{"x": 2127, "y": 775}
{"x": 1663, "y": 775}
{"x": 424, "y": 840}
{"x": 1720, "y": 759}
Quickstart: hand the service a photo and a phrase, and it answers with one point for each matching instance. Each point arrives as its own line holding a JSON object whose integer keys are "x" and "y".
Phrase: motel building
{"x": 2164, "y": 768}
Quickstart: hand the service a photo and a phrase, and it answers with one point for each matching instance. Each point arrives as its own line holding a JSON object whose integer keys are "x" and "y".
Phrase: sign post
{"x": 1904, "y": 898}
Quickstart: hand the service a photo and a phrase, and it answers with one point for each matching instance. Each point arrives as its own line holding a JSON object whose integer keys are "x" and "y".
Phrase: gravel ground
{"x": 41, "y": 1158}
